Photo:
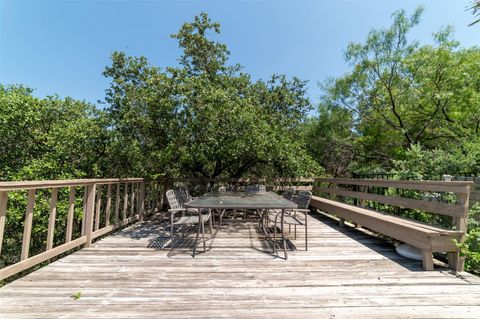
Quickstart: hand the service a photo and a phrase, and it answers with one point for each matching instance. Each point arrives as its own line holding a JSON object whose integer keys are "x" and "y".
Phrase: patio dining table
{"x": 260, "y": 201}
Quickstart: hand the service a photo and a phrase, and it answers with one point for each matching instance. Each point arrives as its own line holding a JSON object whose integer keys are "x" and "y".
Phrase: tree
{"x": 401, "y": 94}
{"x": 475, "y": 8}
{"x": 206, "y": 118}
{"x": 48, "y": 138}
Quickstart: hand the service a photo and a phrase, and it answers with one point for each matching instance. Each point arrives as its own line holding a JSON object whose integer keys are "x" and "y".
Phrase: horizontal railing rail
{"x": 107, "y": 204}
{"x": 273, "y": 184}
{"x": 91, "y": 208}
{"x": 430, "y": 215}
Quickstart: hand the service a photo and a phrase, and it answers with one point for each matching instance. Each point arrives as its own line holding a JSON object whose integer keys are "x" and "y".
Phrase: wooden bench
{"x": 425, "y": 237}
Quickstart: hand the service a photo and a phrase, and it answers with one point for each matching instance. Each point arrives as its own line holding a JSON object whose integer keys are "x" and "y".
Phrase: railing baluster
{"x": 137, "y": 191}
{"x": 132, "y": 201}
{"x": 3, "y": 215}
{"x": 51, "y": 218}
{"x": 125, "y": 202}
{"x": 89, "y": 212}
{"x": 71, "y": 210}
{"x": 117, "y": 203}
{"x": 142, "y": 201}
{"x": 98, "y": 206}
{"x": 85, "y": 196}
{"x": 27, "y": 227}
{"x": 91, "y": 224}
{"x": 109, "y": 203}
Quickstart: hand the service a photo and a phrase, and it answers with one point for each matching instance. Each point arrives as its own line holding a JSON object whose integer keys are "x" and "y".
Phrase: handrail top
{"x": 429, "y": 182}
{"x": 239, "y": 180}
{"x": 440, "y": 186}
{"x": 19, "y": 185}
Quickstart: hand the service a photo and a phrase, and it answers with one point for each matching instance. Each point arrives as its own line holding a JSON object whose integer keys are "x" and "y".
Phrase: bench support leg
{"x": 341, "y": 222}
{"x": 455, "y": 261}
{"x": 427, "y": 259}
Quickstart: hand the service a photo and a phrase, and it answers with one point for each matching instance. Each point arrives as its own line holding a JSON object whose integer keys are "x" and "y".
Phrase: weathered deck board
{"x": 345, "y": 274}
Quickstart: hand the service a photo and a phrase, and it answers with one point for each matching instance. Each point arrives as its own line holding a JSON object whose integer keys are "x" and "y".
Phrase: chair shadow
{"x": 157, "y": 230}
{"x": 184, "y": 245}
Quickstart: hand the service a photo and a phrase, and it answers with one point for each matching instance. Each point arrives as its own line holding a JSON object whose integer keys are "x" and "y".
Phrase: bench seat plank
{"x": 418, "y": 235}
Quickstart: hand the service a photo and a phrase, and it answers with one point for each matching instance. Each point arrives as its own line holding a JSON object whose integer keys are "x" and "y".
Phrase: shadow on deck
{"x": 344, "y": 274}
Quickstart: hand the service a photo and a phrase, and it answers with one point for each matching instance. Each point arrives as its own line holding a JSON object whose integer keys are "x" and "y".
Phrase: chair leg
{"x": 275, "y": 236}
{"x": 171, "y": 236}
{"x": 171, "y": 231}
{"x": 196, "y": 239}
{"x": 306, "y": 231}
{"x": 203, "y": 236}
{"x": 210, "y": 224}
{"x": 282, "y": 223}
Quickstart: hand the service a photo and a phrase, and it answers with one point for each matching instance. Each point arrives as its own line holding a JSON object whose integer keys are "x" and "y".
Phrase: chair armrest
{"x": 301, "y": 210}
{"x": 176, "y": 210}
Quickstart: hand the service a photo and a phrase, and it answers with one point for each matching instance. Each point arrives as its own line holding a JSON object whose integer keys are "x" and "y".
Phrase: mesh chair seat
{"x": 194, "y": 219}
{"x": 289, "y": 218}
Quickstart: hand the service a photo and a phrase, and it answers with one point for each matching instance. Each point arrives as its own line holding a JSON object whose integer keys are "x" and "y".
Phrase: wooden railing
{"x": 273, "y": 184}
{"x": 107, "y": 205}
{"x": 90, "y": 208}
{"x": 441, "y": 206}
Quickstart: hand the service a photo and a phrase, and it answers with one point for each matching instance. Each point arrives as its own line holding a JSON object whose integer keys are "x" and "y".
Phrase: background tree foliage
{"x": 405, "y": 108}
{"x": 49, "y": 138}
{"x": 475, "y": 9}
{"x": 400, "y": 94}
{"x": 206, "y": 118}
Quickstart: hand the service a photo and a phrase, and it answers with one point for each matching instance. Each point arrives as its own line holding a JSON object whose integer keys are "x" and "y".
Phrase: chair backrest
{"x": 289, "y": 193}
{"x": 303, "y": 199}
{"x": 185, "y": 194}
{"x": 222, "y": 189}
{"x": 173, "y": 200}
{"x": 255, "y": 188}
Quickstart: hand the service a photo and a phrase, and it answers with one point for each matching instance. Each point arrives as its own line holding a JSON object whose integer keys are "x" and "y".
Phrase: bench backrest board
{"x": 458, "y": 211}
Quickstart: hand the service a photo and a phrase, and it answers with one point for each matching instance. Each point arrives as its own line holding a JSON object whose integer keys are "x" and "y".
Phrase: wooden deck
{"x": 345, "y": 274}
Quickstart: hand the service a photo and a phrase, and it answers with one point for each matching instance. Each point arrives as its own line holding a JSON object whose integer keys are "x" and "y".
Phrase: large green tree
{"x": 205, "y": 118}
{"x": 49, "y": 138}
{"x": 400, "y": 93}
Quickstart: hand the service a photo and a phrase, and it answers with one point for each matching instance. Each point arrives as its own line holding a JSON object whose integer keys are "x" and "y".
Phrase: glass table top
{"x": 226, "y": 200}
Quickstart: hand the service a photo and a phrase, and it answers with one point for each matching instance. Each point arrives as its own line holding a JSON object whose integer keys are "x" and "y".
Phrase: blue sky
{"x": 62, "y": 47}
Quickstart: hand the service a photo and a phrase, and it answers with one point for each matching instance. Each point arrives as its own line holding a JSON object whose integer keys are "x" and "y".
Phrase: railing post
{"x": 3, "y": 215}
{"x": 27, "y": 227}
{"x": 90, "y": 210}
{"x": 52, "y": 217}
{"x": 142, "y": 200}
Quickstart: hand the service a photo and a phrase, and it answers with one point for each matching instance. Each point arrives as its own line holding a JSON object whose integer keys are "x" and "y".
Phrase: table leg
{"x": 283, "y": 235}
{"x": 198, "y": 233}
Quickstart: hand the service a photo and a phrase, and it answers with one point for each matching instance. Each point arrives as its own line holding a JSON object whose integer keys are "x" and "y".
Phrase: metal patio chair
{"x": 288, "y": 194}
{"x": 295, "y": 217}
{"x": 189, "y": 216}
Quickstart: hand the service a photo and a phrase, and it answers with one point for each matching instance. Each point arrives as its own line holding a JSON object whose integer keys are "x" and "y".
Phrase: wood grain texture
{"x": 6, "y": 186}
{"x": 454, "y": 210}
{"x": 108, "y": 206}
{"x": 98, "y": 206}
{"x": 346, "y": 273}
{"x": 27, "y": 225}
{"x": 71, "y": 210}
{"x": 3, "y": 216}
{"x": 117, "y": 202}
{"x": 430, "y": 186}
{"x": 51, "y": 218}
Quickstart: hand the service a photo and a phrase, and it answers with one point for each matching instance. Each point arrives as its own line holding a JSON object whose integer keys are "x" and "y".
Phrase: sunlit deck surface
{"x": 344, "y": 274}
